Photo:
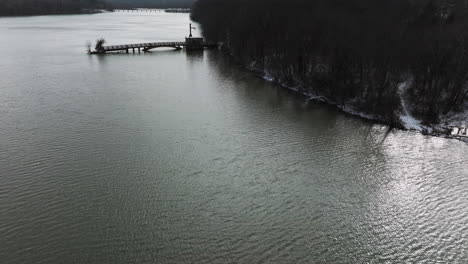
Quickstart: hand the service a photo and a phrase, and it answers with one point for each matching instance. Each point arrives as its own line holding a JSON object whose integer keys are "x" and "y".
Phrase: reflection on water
{"x": 194, "y": 55}
{"x": 182, "y": 157}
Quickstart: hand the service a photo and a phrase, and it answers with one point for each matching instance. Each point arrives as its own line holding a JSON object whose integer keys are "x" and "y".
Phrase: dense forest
{"x": 356, "y": 53}
{"x": 40, "y": 7}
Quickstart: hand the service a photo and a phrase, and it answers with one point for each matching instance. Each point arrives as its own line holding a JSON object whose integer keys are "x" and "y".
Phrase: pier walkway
{"x": 190, "y": 43}
{"x": 152, "y": 45}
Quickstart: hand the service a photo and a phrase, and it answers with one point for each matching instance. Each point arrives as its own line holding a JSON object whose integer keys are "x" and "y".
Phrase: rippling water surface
{"x": 175, "y": 157}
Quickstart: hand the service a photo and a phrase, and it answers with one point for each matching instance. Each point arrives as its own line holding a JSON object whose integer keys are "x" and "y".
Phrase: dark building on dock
{"x": 194, "y": 43}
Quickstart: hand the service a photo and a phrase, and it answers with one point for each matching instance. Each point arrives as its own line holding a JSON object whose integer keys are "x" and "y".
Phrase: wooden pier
{"x": 190, "y": 43}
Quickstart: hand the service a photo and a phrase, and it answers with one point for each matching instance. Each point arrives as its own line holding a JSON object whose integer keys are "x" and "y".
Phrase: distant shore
{"x": 96, "y": 11}
{"x": 81, "y": 12}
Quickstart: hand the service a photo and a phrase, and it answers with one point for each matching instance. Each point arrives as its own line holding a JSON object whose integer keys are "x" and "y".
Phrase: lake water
{"x": 176, "y": 157}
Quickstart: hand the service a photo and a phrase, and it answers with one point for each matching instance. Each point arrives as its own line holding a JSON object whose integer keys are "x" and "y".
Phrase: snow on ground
{"x": 268, "y": 78}
{"x": 453, "y": 123}
{"x": 457, "y": 123}
{"x": 448, "y": 122}
{"x": 407, "y": 120}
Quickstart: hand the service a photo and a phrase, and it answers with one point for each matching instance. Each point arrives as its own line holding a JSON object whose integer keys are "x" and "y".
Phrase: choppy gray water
{"x": 175, "y": 157}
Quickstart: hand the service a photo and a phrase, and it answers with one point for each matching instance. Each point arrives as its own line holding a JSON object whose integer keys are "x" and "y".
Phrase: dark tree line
{"x": 42, "y": 7}
{"x": 354, "y": 52}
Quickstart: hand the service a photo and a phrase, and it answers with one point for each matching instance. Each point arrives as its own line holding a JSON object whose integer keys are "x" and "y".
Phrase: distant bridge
{"x": 167, "y": 10}
{"x": 139, "y": 10}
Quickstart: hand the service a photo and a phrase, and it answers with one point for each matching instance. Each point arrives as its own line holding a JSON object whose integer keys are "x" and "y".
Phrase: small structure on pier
{"x": 194, "y": 43}
{"x": 190, "y": 43}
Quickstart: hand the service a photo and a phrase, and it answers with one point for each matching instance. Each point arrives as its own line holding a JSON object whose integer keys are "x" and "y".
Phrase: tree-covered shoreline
{"x": 49, "y": 7}
{"x": 362, "y": 54}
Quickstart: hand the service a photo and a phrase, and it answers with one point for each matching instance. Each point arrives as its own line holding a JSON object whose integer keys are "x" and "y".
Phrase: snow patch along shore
{"x": 446, "y": 127}
{"x": 407, "y": 119}
{"x": 452, "y": 124}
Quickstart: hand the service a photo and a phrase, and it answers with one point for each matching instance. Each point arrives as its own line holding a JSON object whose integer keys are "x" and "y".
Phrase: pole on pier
{"x": 138, "y": 50}
{"x": 127, "y": 51}
{"x": 190, "y": 26}
{"x": 133, "y": 50}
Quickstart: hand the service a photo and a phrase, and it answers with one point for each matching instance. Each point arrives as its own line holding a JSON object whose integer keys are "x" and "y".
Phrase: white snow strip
{"x": 406, "y": 118}
{"x": 268, "y": 77}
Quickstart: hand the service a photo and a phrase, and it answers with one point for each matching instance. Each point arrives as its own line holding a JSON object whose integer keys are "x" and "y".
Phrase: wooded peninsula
{"x": 386, "y": 59}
